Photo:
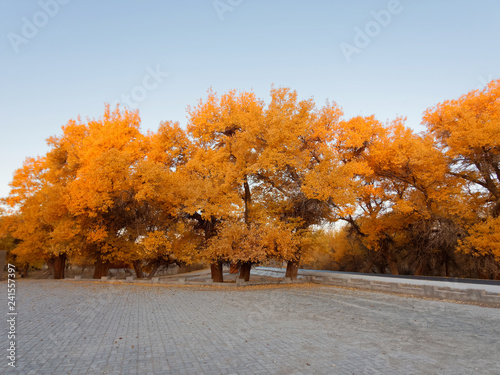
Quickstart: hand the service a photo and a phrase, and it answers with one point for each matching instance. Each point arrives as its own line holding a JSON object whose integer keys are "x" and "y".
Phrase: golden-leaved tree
{"x": 248, "y": 182}
{"x": 100, "y": 156}
{"x": 104, "y": 192}
{"x": 169, "y": 235}
{"x": 467, "y": 130}
{"x": 40, "y": 220}
{"x": 294, "y": 140}
{"x": 418, "y": 225}
{"x": 225, "y": 132}
{"x": 342, "y": 178}
{"x": 390, "y": 186}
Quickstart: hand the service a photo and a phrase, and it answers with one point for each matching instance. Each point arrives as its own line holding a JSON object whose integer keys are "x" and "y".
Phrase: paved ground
{"x": 67, "y": 327}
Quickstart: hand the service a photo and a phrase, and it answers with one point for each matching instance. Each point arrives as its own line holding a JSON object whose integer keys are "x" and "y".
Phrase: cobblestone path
{"x": 66, "y": 327}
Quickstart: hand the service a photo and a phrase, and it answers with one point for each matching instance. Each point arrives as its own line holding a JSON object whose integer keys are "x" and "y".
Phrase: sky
{"x": 60, "y": 59}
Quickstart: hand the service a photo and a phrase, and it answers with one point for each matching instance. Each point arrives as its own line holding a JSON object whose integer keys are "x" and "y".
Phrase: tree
{"x": 293, "y": 140}
{"x": 467, "y": 132}
{"x": 249, "y": 182}
{"x": 248, "y": 244}
{"x": 168, "y": 234}
{"x": 162, "y": 248}
{"x": 423, "y": 216}
{"x": 343, "y": 178}
{"x": 40, "y": 219}
{"x": 224, "y": 132}
{"x": 389, "y": 185}
{"x": 95, "y": 161}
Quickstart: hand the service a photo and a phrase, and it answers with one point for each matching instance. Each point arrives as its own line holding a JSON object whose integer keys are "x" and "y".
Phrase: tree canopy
{"x": 248, "y": 182}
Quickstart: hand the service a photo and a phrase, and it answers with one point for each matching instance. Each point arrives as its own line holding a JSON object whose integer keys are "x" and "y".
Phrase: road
{"x": 492, "y": 286}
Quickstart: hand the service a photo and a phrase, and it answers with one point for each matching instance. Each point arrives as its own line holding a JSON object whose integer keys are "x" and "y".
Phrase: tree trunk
{"x": 138, "y": 269}
{"x": 366, "y": 269}
{"x": 216, "y": 270}
{"x": 245, "y": 271}
{"x": 154, "y": 269}
{"x": 419, "y": 271}
{"x": 248, "y": 200}
{"x": 59, "y": 266}
{"x": 381, "y": 265}
{"x": 292, "y": 269}
{"x": 446, "y": 268}
{"x": 101, "y": 268}
{"x": 50, "y": 265}
{"x": 393, "y": 267}
{"x": 25, "y": 271}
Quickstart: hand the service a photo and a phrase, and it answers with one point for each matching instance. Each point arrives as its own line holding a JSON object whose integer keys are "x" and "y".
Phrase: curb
{"x": 429, "y": 291}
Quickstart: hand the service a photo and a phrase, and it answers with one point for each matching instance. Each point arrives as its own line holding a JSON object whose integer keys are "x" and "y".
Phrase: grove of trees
{"x": 248, "y": 182}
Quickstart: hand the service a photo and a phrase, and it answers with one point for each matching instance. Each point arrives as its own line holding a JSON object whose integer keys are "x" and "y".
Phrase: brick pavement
{"x": 67, "y": 327}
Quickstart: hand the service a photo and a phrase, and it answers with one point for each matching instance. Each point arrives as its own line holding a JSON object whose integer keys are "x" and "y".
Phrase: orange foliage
{"x": 262, "y": 178}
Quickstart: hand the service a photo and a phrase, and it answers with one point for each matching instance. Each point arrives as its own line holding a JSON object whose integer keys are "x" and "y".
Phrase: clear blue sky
{"x": 70, "y": 59}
